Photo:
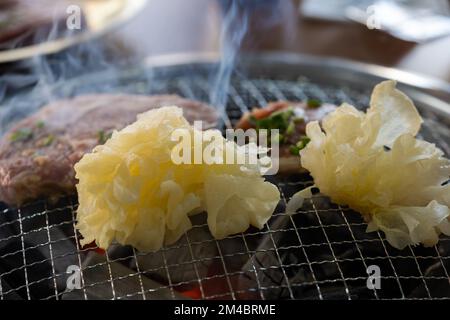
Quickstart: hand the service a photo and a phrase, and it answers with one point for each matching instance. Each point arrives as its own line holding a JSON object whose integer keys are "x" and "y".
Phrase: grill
{"x": 323, "y": 252}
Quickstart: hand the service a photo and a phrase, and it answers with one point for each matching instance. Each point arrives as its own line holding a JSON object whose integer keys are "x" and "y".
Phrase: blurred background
{"x": 410, "y": 35}
{"x": 314, "y": 27}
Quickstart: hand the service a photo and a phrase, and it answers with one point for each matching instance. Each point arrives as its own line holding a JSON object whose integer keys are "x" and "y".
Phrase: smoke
{"x": 251, "y": 21}
{"x": 32, "y": 83}
{"x": 234, "y": 28}
{"x": 29, "y": 84}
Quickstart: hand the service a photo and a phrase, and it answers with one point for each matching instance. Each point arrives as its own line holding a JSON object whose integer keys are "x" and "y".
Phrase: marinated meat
{"x": 290, "y": 118}
{"x": 37, "y": 154}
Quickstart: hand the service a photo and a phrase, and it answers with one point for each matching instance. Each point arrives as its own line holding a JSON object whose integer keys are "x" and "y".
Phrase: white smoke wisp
{"x": 234, "y": 28}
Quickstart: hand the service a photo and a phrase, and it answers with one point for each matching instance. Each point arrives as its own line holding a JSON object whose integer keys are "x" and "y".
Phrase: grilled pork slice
{"x": 37, "y": 155}
{"x": 290, "y": 118}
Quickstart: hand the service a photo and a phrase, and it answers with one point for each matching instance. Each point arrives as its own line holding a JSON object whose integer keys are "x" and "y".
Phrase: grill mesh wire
{"x": 321, "y": 253}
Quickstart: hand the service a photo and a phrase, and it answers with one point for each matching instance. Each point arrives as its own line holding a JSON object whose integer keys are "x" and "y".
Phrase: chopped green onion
{"x": 298, "y": 120}
{"x": 103, "y": 136}
{"x": 291, "y": 128}
{"x": 48, "y": 140}
{"x": 40, "y": 124}
{"x": 277, "y": 120}
{"x": 23, "y": 134}
{"x": 301, "y": 144}
{"x": 313, "y": 103}
{"x": 294, "y": 150}
{"x": 278, "y": 138}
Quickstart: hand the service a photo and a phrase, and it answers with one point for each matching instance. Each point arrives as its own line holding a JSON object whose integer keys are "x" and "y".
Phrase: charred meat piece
{"x": 37, "y": 154}
{"x": 290, "y": 118}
